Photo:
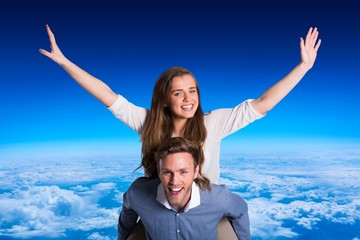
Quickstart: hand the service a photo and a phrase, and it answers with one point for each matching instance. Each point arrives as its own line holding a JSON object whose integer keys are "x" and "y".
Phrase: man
{"x": 181, "y": 203}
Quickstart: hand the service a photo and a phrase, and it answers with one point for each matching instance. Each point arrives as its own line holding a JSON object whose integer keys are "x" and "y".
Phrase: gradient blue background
{"x": 235, "y": 49}
{"x": 65, "y": 160}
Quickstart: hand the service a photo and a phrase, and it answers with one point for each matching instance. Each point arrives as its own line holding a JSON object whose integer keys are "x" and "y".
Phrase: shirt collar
{"x": 194, "y": 199}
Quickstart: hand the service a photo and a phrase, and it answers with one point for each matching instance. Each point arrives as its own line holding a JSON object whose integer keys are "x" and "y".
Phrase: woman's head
{"x": 176, "y": 93}
{"x": 176, "y": 97}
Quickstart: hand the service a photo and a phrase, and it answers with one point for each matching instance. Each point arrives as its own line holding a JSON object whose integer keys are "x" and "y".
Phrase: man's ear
{"x": 158, "y": 167}
{"x": 196, "y": 171}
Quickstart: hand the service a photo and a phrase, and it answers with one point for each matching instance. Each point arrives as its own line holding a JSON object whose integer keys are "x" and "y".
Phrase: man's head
{"x": 178, "y": 166}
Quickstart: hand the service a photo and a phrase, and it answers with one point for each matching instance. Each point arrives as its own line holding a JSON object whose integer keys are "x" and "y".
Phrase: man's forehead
{"x": 178, "y": 156}
{"x": 180, "y": 160}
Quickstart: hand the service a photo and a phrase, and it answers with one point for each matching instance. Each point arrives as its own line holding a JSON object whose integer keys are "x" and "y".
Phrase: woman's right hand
{"x": 94, "y": 86}
{"x": 55, "y": 54}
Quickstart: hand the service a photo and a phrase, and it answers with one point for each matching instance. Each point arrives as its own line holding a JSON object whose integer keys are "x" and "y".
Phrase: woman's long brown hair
{"x": 159, "y": 125}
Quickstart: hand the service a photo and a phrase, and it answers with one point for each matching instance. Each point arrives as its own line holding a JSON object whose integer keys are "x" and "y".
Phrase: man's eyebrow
{"x": 181, "y": 169}
{"x": 165, "y": 169}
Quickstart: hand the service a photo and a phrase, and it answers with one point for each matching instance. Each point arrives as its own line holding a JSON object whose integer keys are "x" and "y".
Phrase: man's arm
{"x": 237, "y": 213}
{"x": 127, "y": 219}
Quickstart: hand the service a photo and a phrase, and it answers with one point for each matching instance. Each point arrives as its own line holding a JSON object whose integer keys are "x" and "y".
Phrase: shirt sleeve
{"x": 223, "y": 122}
{"x": 127, "y": 219}
{"x": 128, "y": 113}
{"x": 237, "y": 213}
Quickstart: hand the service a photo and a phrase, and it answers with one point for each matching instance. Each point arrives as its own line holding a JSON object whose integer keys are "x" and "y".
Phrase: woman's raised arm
{"x": 277, "y": 92}
{"x": 94, "y": 86}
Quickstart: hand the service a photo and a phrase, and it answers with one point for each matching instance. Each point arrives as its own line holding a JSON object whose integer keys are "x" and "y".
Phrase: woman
{"x": 176, "y": 110}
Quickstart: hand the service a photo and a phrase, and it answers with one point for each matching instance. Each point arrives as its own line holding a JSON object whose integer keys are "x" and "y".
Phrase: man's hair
{"x": 179, "y": 145}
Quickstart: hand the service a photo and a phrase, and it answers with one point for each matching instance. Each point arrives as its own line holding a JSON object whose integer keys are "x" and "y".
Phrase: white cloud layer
{"x": 51, "y": 211}
{"x": 302, "y": 189}
{"x": 286, "y": 193}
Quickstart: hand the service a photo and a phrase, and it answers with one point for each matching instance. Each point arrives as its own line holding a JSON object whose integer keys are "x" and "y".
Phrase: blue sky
{"x": 235, "y": 49}
{"x": 81, "y": 156}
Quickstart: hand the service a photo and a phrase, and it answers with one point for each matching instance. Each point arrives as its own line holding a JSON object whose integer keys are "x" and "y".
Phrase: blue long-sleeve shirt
{"x": 145, "y": 199}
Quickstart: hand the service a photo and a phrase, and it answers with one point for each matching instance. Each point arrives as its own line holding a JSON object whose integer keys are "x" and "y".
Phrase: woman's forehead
{"x": 183, "y": 81}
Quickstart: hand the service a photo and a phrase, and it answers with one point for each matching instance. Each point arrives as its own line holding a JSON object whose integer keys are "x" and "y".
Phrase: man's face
{"x": 177, "y": 173}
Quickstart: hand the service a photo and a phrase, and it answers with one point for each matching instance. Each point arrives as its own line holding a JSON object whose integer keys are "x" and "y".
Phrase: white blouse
{"x": 219, "y": 124}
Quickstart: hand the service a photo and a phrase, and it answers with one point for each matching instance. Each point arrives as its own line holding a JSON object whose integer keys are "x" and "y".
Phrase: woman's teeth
{"x": 187, "y": 107}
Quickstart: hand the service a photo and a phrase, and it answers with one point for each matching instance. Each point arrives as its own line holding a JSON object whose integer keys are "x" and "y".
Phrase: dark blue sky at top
{"x": 236, "y": 49}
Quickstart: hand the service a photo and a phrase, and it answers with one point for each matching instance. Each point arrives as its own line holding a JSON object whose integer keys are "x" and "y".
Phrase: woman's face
{"x": 184, "y": 99}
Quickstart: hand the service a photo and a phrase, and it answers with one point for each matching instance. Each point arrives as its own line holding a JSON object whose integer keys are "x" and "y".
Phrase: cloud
{"x": 264, "y": 224}
{"x": 42, "y": 196}
{"x": 97, "y": 236}
{"x": 54, "y": 197}
{"x": 75, "y": 170}
{"x": 303, "y": 190}
{"x": 51, "y": 211}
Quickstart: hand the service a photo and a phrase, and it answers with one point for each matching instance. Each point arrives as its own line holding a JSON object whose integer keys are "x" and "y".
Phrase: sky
{"x": 236, "y": 50}
{"x": 64, "y": 157}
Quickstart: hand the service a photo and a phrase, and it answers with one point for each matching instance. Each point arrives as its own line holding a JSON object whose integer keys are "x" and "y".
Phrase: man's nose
{"x": 174, "y": 179}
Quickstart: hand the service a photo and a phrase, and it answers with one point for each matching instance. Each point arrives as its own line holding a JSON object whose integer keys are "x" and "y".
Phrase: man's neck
{"x": 193, "y": 202}
{"x": 181, "y": 208}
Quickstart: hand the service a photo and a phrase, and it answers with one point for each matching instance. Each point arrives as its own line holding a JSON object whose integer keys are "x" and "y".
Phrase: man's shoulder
{"x": 220, "y": 196}
{"x": 145, "y": 183}
{"x": 219, "y": 187}
{"x": 141, "y": 181}
{"x": 218, "y": 191}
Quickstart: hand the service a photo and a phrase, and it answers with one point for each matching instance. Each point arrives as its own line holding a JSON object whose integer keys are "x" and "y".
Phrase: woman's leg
{"x": 225, "y": 230}
{"x": 138, "y": 233}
